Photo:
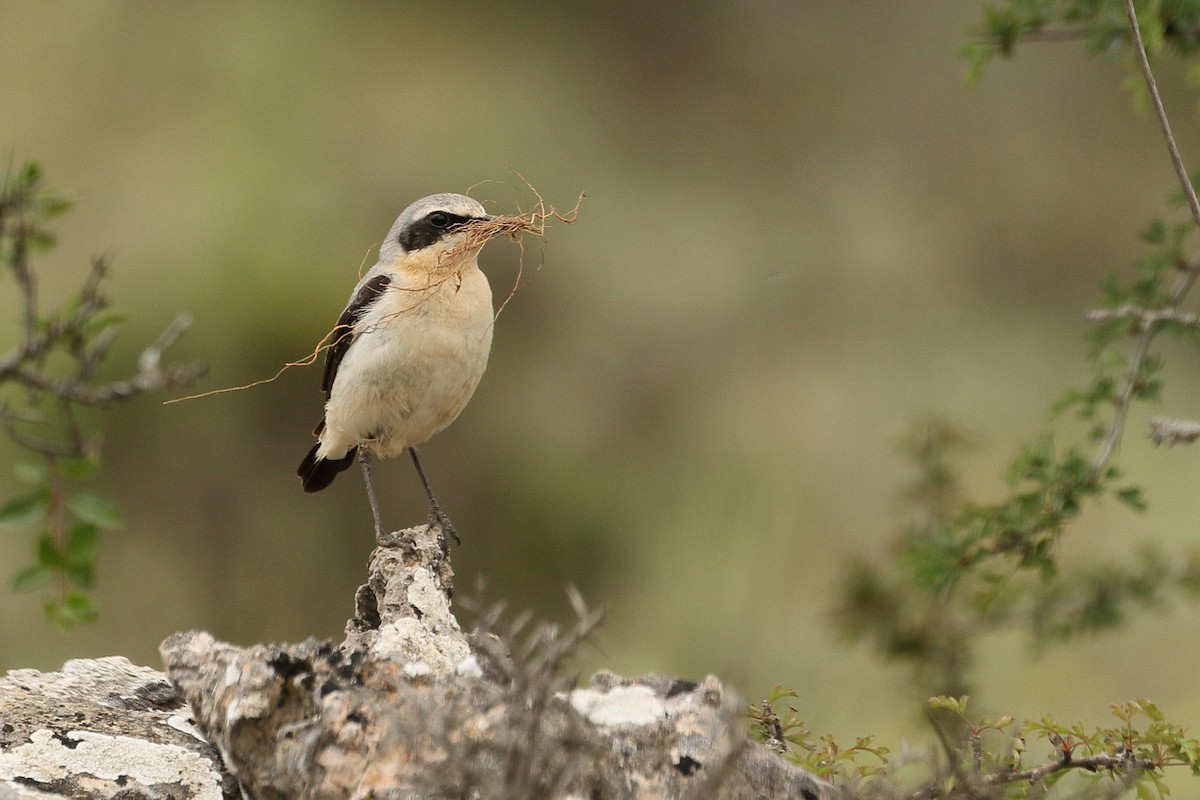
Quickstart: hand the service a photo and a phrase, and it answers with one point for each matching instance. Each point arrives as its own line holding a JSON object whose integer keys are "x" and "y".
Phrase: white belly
{"x": 411, "y": 369}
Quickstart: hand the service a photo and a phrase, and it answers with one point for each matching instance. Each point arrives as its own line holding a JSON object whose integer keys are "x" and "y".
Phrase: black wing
{"x": 343, "y": 333}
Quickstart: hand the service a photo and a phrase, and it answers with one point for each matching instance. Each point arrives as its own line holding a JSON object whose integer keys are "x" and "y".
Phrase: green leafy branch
{"x": 48, "y": 378}
{"x": 69, "y": 525}
{"x": 964, "y": 568}
{"x": 991, "y": 758}
{"x": 1133, "y": 754}
{"x": 1102, "y": 26}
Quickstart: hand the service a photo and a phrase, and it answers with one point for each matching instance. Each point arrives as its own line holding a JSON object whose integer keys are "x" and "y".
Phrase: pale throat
{"x": 433, "y": 266}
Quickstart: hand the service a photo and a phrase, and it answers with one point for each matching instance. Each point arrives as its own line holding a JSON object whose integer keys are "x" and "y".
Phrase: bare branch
{"x": 141, "y": 383}
{"x": 77, "y": 331}
{"x": 1122, "y": 763}
{"x": 152, "y": 355}
{"x": 1170, "y": 432}
{"x": 25, "y": 280}
{"x": 1181, "y": 172}
{"x": 1147, "y": 317}
{"x": 1182, "y": 284}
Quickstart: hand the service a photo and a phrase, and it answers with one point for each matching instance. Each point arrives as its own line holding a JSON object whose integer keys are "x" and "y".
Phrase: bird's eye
{"x": 439, "y": 219}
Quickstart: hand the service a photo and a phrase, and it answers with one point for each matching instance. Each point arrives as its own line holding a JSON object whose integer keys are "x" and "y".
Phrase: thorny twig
{"x": 1155, "y": 98}
{"x": 51, "y": 371}
{"x": 1124, "y": 763}
{"x": 531, "y": 662}
{"x": 1183, "y": 283}
{"x": 81, "y": 333}
{"x": 1163, "y": 430}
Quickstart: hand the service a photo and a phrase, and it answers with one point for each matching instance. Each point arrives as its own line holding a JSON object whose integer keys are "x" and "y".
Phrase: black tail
{"x": 317, "y": 473}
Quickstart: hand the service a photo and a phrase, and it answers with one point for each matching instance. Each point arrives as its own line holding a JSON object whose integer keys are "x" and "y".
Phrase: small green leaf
{"x": 31, "y": 578}
{"x": 32, "y": 473}
{"x": 1155, "y": 231}
{"x": 53, "y": 611}
{"x": 958, "y": 705}
{"x": 81, "y": 543}
{"x": 95, "y": 509}
{"x": 80, "y": 606}
{"x": 778, "y": 693}
{"x": 75, "y": 610}
{"x": 53, "y": 205}
{"x": 81, "y": 575}
{"x": 78, "y": 468}
{"x": 1189, "y": 749}
{"x": 25, "y": 509}
{"x": 1132, "y": 497}
{"x": 39, "y": 240}
{"x": 49, "y": 554}
{"x": 30, "y": 176}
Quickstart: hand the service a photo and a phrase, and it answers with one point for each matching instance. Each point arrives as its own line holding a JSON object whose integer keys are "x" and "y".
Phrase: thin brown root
{"x": 327, "y": 341}
{"x": 476, "y": 233}
{"x": 366, "y": 257}
{"x": 532, "y": 221}
{"x": 479, "y": 232}
{"x": 282, "y": 369}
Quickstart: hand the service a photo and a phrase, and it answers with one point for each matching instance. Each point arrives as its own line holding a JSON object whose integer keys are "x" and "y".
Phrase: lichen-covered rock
{"x": 103, "y": 728}
{"x": 408, "y": 706}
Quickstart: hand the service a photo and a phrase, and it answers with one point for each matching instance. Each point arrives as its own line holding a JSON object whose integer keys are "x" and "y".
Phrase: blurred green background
{"x": 801, "y": 233}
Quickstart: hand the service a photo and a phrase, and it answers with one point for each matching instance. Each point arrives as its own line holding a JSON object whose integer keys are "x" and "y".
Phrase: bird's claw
{"x": 437, "y": 517}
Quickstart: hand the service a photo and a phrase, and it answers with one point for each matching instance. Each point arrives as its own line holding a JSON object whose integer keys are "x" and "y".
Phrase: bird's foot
{"x": 438, "y": 517}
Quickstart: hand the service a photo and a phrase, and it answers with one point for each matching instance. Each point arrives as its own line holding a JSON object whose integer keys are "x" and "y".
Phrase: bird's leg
{"x": 364, "y": 459}
{"x": 435, "y": 511}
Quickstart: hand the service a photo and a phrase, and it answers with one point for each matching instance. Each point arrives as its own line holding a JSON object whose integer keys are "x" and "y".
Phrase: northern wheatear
{"x": 410, "y": 347}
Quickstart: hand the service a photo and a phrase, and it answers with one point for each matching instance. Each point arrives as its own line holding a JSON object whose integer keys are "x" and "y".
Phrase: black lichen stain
{"x": 288, "y": 666}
